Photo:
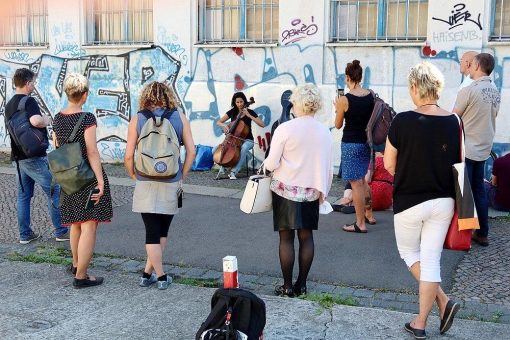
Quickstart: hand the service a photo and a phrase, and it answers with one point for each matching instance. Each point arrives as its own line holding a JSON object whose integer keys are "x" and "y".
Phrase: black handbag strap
{"x": 76, "y": 128}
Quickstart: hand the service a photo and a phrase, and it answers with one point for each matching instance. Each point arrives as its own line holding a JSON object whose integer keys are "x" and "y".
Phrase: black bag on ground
{"x": 67, "y": 165}
{"x": 236, "y": 314}
{"x": 29, "y": 140}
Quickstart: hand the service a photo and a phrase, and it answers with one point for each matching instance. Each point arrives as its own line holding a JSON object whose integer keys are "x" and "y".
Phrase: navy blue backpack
{"x": 29, "y": 140}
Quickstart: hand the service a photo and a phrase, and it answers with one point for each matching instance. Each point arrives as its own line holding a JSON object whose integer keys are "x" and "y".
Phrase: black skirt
{"x": 292, "y": 215}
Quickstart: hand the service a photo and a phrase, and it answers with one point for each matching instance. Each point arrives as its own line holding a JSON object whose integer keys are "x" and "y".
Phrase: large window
{"x": 119, "y": 22}
{"x": 378, "y": 20}
{"x": 501, "y": 20}
{"x": 23, "y": 23}
{"x": 238, "y": 21}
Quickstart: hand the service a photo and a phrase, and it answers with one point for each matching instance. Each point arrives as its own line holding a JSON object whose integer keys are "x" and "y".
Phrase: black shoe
{"x": 418, "y": 333}
{"x": 451, "y": 309}
{"x": 480, "y": 240}
{"x": 71, "y": 269}
{"x": 84, "y": 283}
{"x": 299, "y": 290}
{"x": 348, "y": 209}
{"x": 282, "y": 291}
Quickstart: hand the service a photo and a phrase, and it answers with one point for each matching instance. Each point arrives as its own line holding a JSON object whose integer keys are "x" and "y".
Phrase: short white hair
{"x": 75, "y": 85}
{"x": 428, "y": 79}
{"x": 308, "y": 97}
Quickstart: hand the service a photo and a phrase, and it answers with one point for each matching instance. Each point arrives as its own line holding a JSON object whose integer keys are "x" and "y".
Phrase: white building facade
{"x": 209, "y": 49}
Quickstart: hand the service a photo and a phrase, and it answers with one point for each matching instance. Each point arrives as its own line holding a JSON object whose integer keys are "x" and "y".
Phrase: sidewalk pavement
{"x": 38, "y": 302}
{"x": 260, "y": 284}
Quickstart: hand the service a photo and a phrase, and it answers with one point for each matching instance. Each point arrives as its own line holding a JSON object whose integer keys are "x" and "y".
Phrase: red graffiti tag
{"x": 239, "y": 83}
{"x": 262, "y": 141}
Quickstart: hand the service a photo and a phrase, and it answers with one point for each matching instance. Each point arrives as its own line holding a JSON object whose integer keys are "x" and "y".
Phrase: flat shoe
{"x": 348, "y": 209}
{"x": 417, "y": 333}
{"x": 371, "y": 222}
{"x": 282, "y": 291}
{"x": 87, "y": 282}
{"x": 355, "y": 230}
{"x": 337, "y": 207}
{"x": 451, "y": 309}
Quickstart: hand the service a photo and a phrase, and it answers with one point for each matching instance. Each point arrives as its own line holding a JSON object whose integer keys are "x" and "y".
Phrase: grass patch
{"x": 196, "y": 282}
{"x": 495, "y": 318}
{"x": 51, "y": 255}
{"x": 327, "y": 301}
{"x": 503, "y": 218}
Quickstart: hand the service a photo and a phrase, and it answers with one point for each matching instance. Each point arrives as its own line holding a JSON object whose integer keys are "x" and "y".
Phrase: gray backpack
{"x": 158, "y": 147}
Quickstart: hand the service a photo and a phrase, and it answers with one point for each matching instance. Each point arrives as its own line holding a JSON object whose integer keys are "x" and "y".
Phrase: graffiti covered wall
{"x": 205, "y": 77}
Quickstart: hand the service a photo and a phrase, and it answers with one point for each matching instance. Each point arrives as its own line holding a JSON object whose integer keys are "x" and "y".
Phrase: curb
{"x": 264, "y": 284}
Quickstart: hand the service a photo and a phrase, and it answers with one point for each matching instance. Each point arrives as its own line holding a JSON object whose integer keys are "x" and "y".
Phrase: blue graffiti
{"x": 18, "y": 56}
{"x": 171, "y": 43}
{"x": 69, "y": 48}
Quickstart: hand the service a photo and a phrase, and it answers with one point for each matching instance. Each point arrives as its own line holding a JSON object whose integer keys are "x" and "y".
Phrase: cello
{"x": 228, "y": 153}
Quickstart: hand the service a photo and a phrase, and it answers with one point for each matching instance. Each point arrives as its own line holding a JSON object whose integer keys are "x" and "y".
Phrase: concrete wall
{"x": 205, "y": 78}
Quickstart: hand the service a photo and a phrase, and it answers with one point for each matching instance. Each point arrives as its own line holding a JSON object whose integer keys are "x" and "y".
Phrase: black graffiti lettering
{"x": 147, "y": 73}
{"x": 460, "y": 16}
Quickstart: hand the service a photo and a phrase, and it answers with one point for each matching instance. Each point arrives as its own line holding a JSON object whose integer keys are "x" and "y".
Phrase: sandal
{"x": 371, "y": 222}
{"x": 282, "y": 291}
{"x": 355, "y": 230}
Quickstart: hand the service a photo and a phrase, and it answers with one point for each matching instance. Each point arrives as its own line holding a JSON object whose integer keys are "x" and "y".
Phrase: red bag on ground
{"x": 381, "y": 186}
{"x": 457, "y": 239}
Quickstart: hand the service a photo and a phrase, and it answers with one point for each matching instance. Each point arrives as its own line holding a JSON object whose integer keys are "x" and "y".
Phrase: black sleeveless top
{"x": 357, "y": 117}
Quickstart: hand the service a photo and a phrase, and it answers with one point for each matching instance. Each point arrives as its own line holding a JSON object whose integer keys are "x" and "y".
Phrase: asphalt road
{"x": 209, "y": 228}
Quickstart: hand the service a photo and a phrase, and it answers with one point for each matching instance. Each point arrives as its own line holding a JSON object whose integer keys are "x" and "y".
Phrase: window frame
{"x": 493, "y": 37}
{"x": 200, "y": 37}
{"x": 382, "y": 38}
{"x": 89, "y": 40}
{"x": 29, "y": 18}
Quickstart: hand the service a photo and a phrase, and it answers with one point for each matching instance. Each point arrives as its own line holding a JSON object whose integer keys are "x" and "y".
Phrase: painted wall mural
{"x": 115, "y": 82}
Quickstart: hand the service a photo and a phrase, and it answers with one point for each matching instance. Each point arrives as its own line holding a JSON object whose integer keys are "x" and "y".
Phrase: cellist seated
{"x": 239, "y": 105}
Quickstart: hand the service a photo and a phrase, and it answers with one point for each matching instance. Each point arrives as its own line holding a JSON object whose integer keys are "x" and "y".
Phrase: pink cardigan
{"x": 302, "y": 154}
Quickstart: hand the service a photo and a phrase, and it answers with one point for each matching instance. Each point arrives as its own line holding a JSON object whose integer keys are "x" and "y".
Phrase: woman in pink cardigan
{"x": 302, "y": 164}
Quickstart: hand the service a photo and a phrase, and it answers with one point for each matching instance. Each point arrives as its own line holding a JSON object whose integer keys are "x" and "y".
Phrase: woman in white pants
{"x": 421, "y": 148}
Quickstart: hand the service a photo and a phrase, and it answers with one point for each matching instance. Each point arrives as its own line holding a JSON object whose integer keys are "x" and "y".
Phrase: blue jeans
{"x": 245, "y": 148}
{"x": 475, "y": 171}
{"x": 35, "y": 170}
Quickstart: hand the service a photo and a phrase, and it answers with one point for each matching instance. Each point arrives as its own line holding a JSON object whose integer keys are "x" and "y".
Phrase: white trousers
{"x": 420, "y": 232}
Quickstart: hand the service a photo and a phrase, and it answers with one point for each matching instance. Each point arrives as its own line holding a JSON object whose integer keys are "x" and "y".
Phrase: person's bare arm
{"x": 130, "y": 147}
{"x": 40, "y": 121}
{"x": 221, "y": 123}
{"x": 341, "y": 106}
{"x": 189, "y": 145}
{"x": 390, "y": 157}
{"x": 94, "y": 160}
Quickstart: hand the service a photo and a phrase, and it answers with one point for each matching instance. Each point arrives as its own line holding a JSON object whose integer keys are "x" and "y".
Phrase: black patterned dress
{"x": 72, "y": 207}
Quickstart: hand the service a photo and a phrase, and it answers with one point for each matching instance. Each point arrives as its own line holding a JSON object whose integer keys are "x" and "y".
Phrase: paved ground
{"x": 38, "y": 303}
{"x": 483, "y": 286}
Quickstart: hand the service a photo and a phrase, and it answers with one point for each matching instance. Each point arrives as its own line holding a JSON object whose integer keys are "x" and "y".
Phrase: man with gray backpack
{"x": 29, "y": 142}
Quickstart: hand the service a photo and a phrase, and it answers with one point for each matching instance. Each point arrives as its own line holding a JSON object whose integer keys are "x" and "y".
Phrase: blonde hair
{"x": 159, "y": 94}
{"x": 75, "y": 85}
{"x": 308, "y": 97}
{"x": 427, "y": 79}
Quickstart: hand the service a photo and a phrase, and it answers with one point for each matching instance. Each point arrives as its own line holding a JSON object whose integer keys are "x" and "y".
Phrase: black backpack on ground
{"x": 236, "y": 314}
{"x": 29, "y": 140}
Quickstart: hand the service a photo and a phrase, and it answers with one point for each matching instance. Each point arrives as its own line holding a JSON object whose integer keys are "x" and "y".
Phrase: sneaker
{"x": 62, "y": 238}
{"x": 165, "y": 284}
{"x": 232, "y": 176}
{"x": 33, "y": 236}
{"x": 144, "y": 282}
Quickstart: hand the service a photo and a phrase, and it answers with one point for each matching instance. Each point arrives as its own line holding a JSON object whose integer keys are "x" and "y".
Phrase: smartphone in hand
{"x": 90, "y": 203}
{"x": 339, "y": 92}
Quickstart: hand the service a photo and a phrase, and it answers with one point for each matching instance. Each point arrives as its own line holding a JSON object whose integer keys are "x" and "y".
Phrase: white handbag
{"x": 257, "y": 196}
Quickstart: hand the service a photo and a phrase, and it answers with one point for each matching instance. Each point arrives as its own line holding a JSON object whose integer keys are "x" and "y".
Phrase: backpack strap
{"x": 76, "y": 128}
{"x": 21, "y": 108}
{"x": 22, "y": 104}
